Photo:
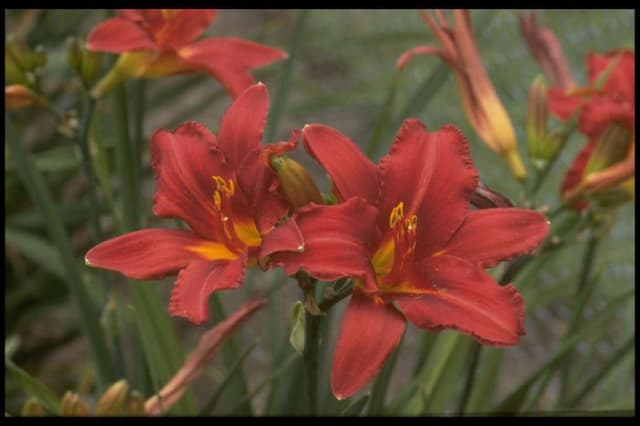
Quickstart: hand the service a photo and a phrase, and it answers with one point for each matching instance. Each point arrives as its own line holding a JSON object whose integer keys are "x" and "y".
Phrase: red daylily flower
{"x": 405, "y": 233}
{"x": 160, "y": 42}
{"x": 607, "y": 114}
{"x": 223, "y": 189}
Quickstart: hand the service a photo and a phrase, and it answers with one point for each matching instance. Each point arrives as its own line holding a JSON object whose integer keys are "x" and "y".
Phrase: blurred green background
{"x": 341, "y": 77}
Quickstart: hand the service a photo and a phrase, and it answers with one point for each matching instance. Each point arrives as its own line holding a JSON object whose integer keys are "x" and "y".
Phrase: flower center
{"x": 397, "y": 251}
{"x": 239, "y": 234}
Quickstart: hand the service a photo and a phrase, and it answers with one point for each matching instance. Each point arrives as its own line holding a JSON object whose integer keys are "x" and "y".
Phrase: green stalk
{"x": 83, "y": 142}
{"x": 89, "y": 313}
{"x": 311, "y": 361}
{"x": 280, "y": 99}
{"x": 583, "y": 293}
{"x": 593, "y": 381}
{"x": 125, "y": 163}
{"x": 138, "y": 123}
{"x": 474, "y": 356}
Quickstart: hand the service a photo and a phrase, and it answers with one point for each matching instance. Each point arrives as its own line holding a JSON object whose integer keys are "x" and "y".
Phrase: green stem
{"x": 344, "y": 287}
{"x": 138, "y": 122}
{"x": 89, "y": 313}
{"x": 125, "y": 162}
{"x": 596, "y": 378}
{"x": 83, "y": 142}
{"x": 474, "y": 356}
{"x": 583, "y": 293}
{"x": 311, "y": 362}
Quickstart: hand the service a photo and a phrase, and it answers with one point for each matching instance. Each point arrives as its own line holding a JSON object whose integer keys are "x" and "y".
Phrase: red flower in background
{"x": 223, "y": 189}
{"x": 404, "y": 232}
{"x": 160, "y": 42}
{"x": 607, "y": 118}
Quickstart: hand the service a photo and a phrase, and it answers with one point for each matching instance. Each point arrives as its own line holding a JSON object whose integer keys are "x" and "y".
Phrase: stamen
{"x": 396, "y": 214}
{"x": 404, "y": 240}
{"x": 225, "y": 189}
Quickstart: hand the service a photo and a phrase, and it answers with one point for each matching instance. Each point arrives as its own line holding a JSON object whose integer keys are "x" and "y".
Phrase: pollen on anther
{"x": 300, "y": 248}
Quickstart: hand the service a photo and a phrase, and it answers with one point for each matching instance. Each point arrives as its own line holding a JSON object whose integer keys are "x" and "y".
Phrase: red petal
{"x": 575, "y": 173}
{"x": 491, "y": 235}
{"x": 260, "y": 183}
{"x": 601, "y": 111}
{"x": 242, "y": 53}
{"x": 562, "y": 106}
{"x": 117, "y": 35}
{"x": 184, "y": 162}
{"x": 433, "y": 176}
{"x": 242, "y": 125}
{"x": 145, "y": 255}
{"x": 337, "y": 241}
{"x": 131, "y": 14}
{"x": 195, "y": 283}
{"x": 459, "y": 295}
{"x": 620, "y": 83}
{"x": 184, "y": 26}
{"x": 368, "y": 334}
{"x": 351, "y": 172}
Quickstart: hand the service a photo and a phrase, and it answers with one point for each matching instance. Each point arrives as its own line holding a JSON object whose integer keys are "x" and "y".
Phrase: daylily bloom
{"x": 161, "y": 42}
{"x": 607, "y": 118}
{"x": 404, "y": 232}
{"x": 545, "y": 47}
{"x": 223, "y": 189}
{"x": 479, "y": 98}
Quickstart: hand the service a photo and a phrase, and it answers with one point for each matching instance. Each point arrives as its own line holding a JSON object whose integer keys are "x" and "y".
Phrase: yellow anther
{"x": 396, "y": 214}
{"x": 217, "y": 200}
{"x": 228, "y": 187}
{"x": 232, "y": 188}
{"x": 412, "y": 223}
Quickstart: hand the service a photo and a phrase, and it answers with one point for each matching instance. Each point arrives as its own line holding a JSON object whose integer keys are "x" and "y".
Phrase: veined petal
{"x": 260, "y": 183}
{"x": 234, "y": 78}
{"x": 242, "y": 125}
{"x": 243, "y": 53}
{"x": 492, "y": 235}
{"x": 561, "y": 105}
{"x": 620, "y": 83}
{"x": 195, "y": 283}
{"x": 147, "y": 254}
{"x": 184, "y": 163}
{"x": 117, "y": 35}
{"x": 457, "y": 294}
{"x": 369, "y": 332}
{"x": 352, "y": 174}
{"x": 338, "y": 241}
{"x": 433, "y": 176}
{"x": 182, "y": 26}
{"x": 601, "y": 111}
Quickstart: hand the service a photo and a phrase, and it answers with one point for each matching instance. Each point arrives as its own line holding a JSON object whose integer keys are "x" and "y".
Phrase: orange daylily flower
{"x": 479, "y": 98}
{"x": 161, "y": 42}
